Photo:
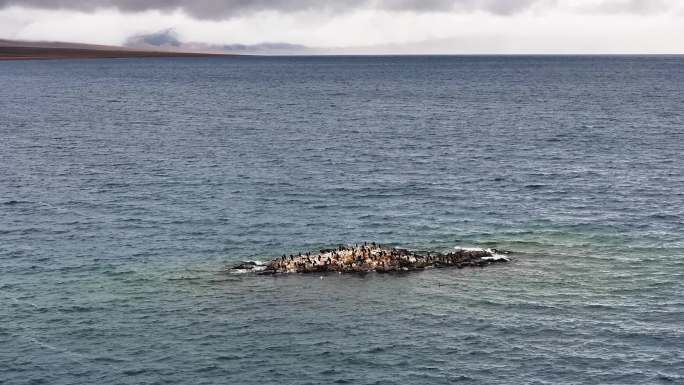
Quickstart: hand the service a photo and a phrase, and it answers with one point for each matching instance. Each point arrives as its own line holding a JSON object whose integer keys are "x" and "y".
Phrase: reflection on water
{"x": 129, "y": 185}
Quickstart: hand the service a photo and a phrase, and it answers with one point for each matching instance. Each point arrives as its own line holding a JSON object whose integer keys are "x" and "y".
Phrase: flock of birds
{"x": 372, "y": 257}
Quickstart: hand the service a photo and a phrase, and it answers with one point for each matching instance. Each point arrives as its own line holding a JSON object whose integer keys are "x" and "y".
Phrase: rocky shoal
{"x": 372, "y": 257}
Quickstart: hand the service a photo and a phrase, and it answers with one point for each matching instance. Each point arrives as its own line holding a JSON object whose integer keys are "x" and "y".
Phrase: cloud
{"x": 217, "y": 9}
{"x": 562, "y": 26}
{"x": 168, "y": 39}
{"x": 628, "y": 6}
{"x": 165, "y": 38}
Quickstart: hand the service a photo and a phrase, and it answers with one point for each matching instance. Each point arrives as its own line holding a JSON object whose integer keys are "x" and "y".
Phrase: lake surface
{"x": 127, "y": 187}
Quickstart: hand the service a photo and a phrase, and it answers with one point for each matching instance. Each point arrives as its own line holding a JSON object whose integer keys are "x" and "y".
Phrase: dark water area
{"x": 127, "y": 186}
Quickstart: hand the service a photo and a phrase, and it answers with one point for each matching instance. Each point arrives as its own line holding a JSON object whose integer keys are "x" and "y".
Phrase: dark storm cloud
{"x": 218, "y": 9}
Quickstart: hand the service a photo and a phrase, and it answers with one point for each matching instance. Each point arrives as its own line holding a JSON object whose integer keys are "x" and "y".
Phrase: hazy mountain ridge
{"x": 168, "y": 39}
{"x": 21, "y": 50}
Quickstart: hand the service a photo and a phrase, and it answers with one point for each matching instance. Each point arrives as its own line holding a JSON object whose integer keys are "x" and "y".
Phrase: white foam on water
{"x": 469, "y": 248}
{"x": 494, "y": 256}
{"x": 259, "y": 266}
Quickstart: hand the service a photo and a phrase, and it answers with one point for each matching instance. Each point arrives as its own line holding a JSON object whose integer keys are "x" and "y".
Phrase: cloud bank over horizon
{"x": 217, "y": 10}
{"x": 358, "y": 26}
{"x": 168, "y": 39}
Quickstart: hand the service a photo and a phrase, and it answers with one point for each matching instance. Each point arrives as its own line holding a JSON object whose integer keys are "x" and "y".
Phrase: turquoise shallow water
{"x": 127, "y": 187}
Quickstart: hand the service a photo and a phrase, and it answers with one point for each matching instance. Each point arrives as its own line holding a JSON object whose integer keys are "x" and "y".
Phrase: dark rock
{"x": 372, "y": 258}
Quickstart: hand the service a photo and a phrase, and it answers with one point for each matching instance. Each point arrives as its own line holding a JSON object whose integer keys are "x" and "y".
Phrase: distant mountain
{"x": 168, "y": 40}
{"x": 4, "y": 43}
{"x": 19, "y": 50}
{"x": 268, "y": 48}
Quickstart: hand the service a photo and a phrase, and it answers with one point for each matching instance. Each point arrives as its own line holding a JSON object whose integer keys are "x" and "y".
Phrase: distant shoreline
{"x": 43, "y": 53}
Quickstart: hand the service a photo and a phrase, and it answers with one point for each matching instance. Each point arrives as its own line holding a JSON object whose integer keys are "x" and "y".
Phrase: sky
{"x": 362, "y": 26}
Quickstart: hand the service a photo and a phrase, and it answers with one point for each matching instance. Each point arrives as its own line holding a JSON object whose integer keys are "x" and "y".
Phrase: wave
{"x": 496, "y": 255}
{"x": 250, "y": 267}
{"x": 14, "y": 202}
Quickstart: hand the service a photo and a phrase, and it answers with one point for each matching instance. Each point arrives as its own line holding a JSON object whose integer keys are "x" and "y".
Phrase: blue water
{"x": 127, "y": 186}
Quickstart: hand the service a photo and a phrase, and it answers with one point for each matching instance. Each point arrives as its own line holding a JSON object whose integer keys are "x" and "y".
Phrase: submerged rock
{"x": 368, "y": 258}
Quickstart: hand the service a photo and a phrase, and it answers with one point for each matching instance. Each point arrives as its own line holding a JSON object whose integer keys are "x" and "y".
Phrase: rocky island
{"x": 367, "y": 258}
